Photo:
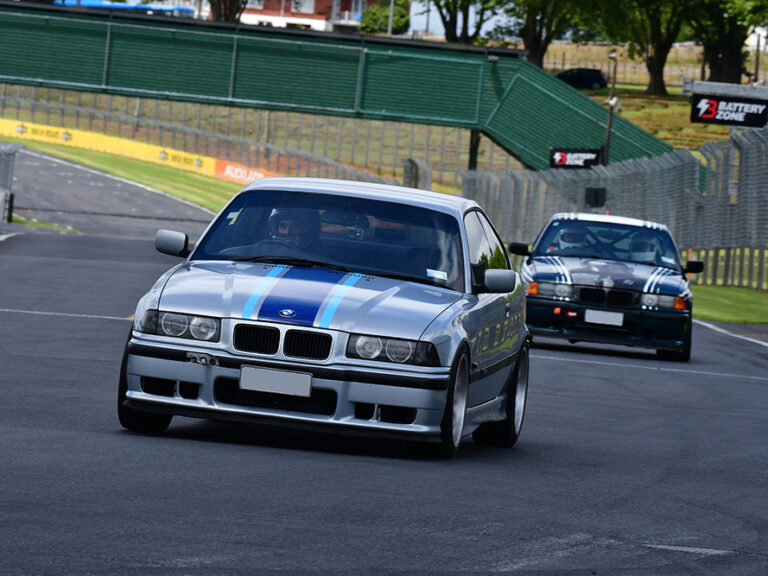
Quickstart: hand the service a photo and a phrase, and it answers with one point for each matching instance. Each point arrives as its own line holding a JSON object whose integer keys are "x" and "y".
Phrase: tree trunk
{"x": 655, "y": 66}
{"x": 726, "y": 59}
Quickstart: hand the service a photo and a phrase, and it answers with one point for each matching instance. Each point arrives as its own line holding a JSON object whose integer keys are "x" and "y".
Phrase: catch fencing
{"x": 156, "y": 126}
{"x": 376, "y": 148}
{"x": 714, "y": 201}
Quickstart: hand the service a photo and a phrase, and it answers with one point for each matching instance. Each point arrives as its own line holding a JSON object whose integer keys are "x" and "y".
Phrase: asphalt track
{"x": 626, "y": 465}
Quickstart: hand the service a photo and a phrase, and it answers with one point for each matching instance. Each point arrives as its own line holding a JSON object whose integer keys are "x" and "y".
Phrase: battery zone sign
{"x": 574, "y": 157}
{"x": 729, "y": 110}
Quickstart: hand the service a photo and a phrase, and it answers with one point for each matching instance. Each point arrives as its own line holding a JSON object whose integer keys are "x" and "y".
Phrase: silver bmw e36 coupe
{"x": 358, "y": 307}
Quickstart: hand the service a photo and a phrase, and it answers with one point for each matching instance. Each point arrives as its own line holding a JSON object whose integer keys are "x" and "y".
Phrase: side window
{"x": 480, "y": 251}
{"x": 498, "y": 254}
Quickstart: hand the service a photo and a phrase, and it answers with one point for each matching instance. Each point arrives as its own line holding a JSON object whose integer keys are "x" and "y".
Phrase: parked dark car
{"x": 608, "y": 279}
{"x": 584, "y": 78}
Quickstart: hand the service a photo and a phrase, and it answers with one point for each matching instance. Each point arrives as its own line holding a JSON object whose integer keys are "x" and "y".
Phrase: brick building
{"x": 323, "y": 15}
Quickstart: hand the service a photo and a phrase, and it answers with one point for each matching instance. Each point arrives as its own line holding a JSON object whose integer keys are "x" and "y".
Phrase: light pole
{"x": 391, "y": 12}
{"x": 613, "y": 103}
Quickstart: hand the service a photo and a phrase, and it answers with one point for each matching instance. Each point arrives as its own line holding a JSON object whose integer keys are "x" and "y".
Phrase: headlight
{"x": 550, "y": 290}
{"x": 392, "y": 350}
{"x": 663, "y": 301}
{"x": 179, "y": 325}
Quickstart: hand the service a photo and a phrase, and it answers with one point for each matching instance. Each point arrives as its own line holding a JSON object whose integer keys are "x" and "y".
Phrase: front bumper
{"x": 204, "y": 382}
{"x": 659, "y": 329}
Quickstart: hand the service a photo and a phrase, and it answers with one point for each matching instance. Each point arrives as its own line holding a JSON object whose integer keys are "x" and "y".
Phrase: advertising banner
{"x": 730, "y": 110}
{"x": 574, "y": 157}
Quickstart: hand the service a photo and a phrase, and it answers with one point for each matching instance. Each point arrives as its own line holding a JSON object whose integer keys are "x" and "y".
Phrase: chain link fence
{"x": 717, "y": 209}
{"x": 326, "y": 143}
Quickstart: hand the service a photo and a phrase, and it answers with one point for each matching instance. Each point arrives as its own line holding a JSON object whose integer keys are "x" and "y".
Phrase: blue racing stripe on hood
{"x": 338, "y": 296}
{"x": 301, "y": 290}
{"x": 261, "y": 288}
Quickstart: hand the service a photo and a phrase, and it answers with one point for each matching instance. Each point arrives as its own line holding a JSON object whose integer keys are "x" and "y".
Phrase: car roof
{"x": 437, "y": 201}
{"x": 607, "y": 218}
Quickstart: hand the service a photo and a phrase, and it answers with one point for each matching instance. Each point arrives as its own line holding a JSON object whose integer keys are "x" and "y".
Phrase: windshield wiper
{"x": 406, "y": 277}
{"x": 290, "y": 261}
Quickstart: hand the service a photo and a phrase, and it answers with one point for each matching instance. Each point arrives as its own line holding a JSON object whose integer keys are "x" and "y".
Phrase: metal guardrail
{"x": 7, "y": 160}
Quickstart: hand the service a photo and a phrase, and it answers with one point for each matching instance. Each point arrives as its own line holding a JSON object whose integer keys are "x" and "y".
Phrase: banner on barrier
{"x": 203, "y": 165}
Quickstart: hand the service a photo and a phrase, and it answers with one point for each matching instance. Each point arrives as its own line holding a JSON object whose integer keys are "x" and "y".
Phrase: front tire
{"x": 683, "y": 355}
{"x": 132, "y": 419}
{"x": 506, "y": 432}
{"x": 452, "y": 425}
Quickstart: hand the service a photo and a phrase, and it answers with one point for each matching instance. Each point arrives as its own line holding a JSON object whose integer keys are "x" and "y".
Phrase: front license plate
{"x": 275, "y": 381}
{"x": 602, "y": 317}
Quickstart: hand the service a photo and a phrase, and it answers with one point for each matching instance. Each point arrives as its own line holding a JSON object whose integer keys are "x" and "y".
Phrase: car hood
{"x": 605, "y": 273}
{"x": 304, "y": 296}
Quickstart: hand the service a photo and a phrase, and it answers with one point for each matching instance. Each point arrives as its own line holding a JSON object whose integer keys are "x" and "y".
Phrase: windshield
{"x": 353, "y": 234}
{"x": 608, "y": 240}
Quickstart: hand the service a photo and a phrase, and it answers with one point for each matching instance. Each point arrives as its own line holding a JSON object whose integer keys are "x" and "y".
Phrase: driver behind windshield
{"x": 569, "y": 238}
{"x": 643, "y": 248}
{"x": 299, "y": 227}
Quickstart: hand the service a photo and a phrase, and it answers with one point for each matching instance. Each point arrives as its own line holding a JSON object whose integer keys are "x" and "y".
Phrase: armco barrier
{"x": 164, "y": 156}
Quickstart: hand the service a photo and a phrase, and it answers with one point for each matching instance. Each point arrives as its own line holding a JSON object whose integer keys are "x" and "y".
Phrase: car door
{"x": 492, "y": 326}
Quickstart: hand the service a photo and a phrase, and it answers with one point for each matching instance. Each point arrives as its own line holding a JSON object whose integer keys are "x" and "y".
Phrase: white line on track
{"x": 703, "y": 551}
{"x": 654, "y": 368}
{"x": 64, "y": 314}
{"x": 724, "y": 331}
{"x": 110, "y": 176}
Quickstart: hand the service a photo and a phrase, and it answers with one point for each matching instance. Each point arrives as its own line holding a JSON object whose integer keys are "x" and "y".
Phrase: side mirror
{"x": 172, "y": 243}
{"x": 694, "y": 266}
{"x": 520, "y": 248}
{"x": 498, "y": 281}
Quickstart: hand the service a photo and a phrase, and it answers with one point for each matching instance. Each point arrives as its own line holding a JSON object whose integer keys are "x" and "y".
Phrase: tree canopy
{"x": 537, "y": 23}
{"x": 722, "y": 27}
{"x": 650, "y": 27}
{"x": 375, "y": 19}
{"x": 463, "y": 19}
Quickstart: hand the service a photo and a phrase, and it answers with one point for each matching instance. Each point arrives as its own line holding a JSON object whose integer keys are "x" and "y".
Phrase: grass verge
{"x": 210, "y": 193}
{"x": 46, "y": 225}
{"x": 727, "y": 304}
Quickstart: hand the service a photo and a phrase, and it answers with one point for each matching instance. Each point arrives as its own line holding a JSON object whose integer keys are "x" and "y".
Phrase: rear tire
{"x": 452, "y": 425}
{"x": 131, "y": 418}
{"x": 505, "y": 433}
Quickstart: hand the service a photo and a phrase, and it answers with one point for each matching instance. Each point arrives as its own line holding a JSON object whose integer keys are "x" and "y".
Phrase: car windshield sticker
{"x": 301, "y": 289}
{"x": 337, "y": 296}
{"x": 232, "y": 217}
{"x": 261, "y": 289}
{"x": 439, "y": 274}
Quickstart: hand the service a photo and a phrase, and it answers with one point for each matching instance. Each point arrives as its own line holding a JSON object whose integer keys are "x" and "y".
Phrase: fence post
{"x": 7, "y": 160}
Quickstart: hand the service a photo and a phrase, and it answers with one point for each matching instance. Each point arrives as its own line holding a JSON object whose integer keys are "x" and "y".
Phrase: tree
{"x": 463, "y": 19}
{"x": 227, "y": 10}
{"x": 537, "y": 23}
{"x": 722, "y": 27}
{"x": 375, "y": 19}
{"x": 650, "y": 27}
